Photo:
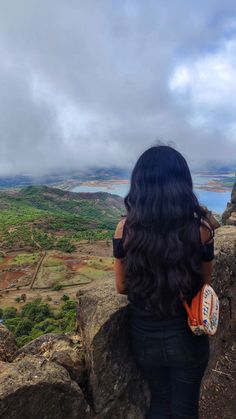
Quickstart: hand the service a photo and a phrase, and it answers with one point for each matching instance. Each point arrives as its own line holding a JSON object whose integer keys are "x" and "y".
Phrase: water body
{"x": 215, "y": 201}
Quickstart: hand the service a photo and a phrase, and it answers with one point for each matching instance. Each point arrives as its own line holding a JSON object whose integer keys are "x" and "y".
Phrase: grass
{"x": 57, "y": 271}
{"x": 91, "y": 272}
{"x": 25, "y": 258}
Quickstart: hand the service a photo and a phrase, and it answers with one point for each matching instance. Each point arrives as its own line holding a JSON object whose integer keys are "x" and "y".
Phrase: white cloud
{"x": 86, "y": 83}
{"x": 208, "y": 86}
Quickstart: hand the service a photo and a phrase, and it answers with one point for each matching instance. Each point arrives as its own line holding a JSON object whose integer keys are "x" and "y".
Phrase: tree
{"x": 18, "y": 299}
{"x": 12, "y": 324}
{"x": 36, "y": 318}
{"x": 65, "y": 245}
{"x": 36, "y": 310}
{"x": 24, "y": 327}
{"x": 57, "y": 287}
{"x": 9, "y": 313}
{"x": 65, "y": 297}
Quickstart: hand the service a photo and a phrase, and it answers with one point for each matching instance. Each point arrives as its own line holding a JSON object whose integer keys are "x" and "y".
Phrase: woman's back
{"x": 163, "y": 250}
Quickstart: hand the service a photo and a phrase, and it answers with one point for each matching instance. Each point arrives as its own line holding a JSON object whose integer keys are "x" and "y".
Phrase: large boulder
{"x": 229, "y": 215}
{"x": 32, "y": 387}
{"x": 63, "y": 349}
{"x": 115, "y": 388}
{"x": 224, "y": 283}
{"x": 8, "y": 346}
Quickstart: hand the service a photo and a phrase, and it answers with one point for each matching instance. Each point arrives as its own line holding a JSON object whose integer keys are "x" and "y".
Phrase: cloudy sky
{"x": 94, "y": 83}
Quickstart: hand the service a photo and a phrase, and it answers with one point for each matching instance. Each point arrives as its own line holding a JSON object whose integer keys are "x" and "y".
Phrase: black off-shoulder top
{"x": 207, "y": 249}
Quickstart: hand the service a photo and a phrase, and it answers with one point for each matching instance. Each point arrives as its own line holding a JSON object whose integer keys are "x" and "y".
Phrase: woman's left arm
{"x": 119, "y": 263}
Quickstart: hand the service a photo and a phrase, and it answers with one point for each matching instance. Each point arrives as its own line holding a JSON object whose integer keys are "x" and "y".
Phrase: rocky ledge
{"x": 93, "y": 375}
{"x": 229, "y": 215}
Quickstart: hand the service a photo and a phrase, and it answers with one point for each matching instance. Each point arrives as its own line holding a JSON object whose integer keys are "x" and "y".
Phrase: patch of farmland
{"x": 59, "y": 268}
{"x": 17, "y": 269}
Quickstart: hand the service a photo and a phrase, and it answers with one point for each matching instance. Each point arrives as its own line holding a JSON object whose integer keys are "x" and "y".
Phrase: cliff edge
{"x": 93, "y": 375}
{"x": 229, "y": 215}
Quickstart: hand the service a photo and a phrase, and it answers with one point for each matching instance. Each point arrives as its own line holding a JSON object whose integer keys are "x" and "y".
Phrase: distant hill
{"x": 58, "y": 179}
{"x": 47, "y": 216}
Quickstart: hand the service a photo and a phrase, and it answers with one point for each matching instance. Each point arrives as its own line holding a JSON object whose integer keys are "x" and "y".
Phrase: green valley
{"x": 52, "y": 243}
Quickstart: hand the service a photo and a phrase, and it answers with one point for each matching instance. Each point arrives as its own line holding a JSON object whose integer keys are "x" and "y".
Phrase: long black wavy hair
{"x": 162, "y": 244}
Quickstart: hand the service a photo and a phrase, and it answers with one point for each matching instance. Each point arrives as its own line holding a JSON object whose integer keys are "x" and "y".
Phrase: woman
{"x": 163, "y": 249}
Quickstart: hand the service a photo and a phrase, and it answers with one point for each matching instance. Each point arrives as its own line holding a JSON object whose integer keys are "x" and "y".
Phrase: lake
{"x": 214, "y": 201}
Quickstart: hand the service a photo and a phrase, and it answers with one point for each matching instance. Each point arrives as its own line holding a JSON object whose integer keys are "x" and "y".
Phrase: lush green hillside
{"x": 40, "y": 216}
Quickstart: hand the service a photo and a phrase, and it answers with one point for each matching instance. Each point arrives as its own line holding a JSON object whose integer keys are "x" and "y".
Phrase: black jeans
{"x": 173, "y": 363}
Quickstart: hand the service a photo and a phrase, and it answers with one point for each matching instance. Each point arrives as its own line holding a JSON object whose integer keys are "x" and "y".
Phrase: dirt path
{"x": 43, "y": 254}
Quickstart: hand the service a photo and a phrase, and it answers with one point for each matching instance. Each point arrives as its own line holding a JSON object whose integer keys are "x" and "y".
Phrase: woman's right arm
{"x": 208, "y": 245}
{"x": 207, "y": 268}
{"x": 119, "y": 261}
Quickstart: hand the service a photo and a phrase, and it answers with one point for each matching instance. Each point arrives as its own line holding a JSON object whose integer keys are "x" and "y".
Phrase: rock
{"x": 115, "y": 389}
{"x": 224, "y": 283}
{"x": 8, "y": 346}
{"x": 59, "y": 348}
{"x": 232, "y": 218}
{"x": 33, "y": 387}
{"x": 229, "y": 215}
{"x": 73, "y": 361}
{"x": 40, "y": 344}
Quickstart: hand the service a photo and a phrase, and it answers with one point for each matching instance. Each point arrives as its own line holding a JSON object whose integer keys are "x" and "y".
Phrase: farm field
{"x": 17, "y": 268}
{"x": 59, "y": 273}
{"x": 58, "y": 268}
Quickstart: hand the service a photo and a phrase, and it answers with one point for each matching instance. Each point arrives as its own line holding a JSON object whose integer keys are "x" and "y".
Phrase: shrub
{"x": 18, "y": 299}
{"x": 57, "y": 287}
{"x": 23, "y": 340}
{"x": 12, "y": 324}
{"x": 65, "y": 245}
{"x": 9, "y": 313}
{"x": 36, "y": 310}
{"x": 23, "y": 327}
{"x": 65, "y": 297}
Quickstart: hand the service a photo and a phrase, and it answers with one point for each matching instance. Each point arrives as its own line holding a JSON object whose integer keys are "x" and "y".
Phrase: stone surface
{"x": 224, "y": 283}
{"x": 44, "y": 342}
{"x": 35, "y": 388}
{"x": 114, "y": 388}
{"x": 7, "y": 344}
{"x": 59, "y": 348}
{"x": 229, "y": 215}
